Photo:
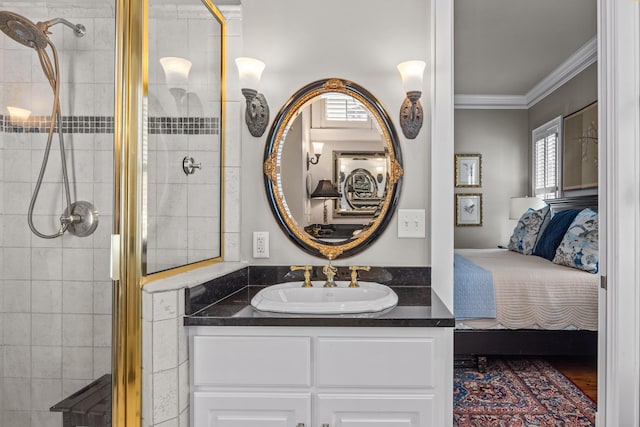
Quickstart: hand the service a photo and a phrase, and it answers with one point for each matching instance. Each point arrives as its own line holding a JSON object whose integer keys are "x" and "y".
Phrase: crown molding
{"x": 577, "y": 62}
{"x": 490, "y": 102}
{"x": 230, "y": 11}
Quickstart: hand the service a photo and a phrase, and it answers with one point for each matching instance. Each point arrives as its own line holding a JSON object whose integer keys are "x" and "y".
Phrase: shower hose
{"x": 52, "y": 72}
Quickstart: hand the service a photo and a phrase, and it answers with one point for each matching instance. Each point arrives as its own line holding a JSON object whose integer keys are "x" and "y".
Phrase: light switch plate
{"x": 411, "y": 224}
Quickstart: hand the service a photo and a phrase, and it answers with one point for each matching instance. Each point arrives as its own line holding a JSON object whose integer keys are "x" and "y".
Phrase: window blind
{"x": 339, "y": 107}
{"x": 545, "y": 159}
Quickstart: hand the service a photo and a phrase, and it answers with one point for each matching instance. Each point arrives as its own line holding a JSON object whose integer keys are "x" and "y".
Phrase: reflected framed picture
{"x": 580, "y": 149}
{"x": 468, "y": 170}
{"x": 469, "y": 210}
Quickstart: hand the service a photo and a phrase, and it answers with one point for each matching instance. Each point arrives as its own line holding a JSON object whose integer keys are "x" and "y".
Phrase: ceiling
{"x": 506, "y": 47}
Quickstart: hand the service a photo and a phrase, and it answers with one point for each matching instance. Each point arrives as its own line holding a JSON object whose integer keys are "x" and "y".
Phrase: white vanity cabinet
{"x": 321, "y": 376}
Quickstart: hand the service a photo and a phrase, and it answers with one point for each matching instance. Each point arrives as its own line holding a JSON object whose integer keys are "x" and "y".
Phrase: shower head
{"x": 33, "y": 35}
{"x": 22, "y": 30}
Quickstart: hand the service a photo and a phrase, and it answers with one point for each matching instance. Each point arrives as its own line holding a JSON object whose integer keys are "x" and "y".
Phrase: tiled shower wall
{"x": 55, "y": 293}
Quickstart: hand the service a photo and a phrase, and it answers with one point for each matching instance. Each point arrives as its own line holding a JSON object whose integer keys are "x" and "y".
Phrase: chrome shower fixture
{"x": 79, "y": 218}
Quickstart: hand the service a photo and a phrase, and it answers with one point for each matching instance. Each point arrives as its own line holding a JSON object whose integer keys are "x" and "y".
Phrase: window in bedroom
{"x": 546, "y": 149}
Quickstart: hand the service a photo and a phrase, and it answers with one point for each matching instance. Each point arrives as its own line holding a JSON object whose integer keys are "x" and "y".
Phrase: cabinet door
{"x": 335, "y": 410}
{"x": 251, "y": 409}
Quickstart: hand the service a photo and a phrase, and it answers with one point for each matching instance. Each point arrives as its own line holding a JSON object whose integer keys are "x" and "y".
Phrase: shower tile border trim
{"x": 105, "y": 124}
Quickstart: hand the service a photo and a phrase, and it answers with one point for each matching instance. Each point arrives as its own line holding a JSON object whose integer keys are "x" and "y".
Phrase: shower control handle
{"x": 189, "y": 165}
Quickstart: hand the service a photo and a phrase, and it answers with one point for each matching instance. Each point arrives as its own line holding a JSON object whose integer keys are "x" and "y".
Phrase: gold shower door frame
{"x": 131, "y": 88}
{"x": 130, "y": 96}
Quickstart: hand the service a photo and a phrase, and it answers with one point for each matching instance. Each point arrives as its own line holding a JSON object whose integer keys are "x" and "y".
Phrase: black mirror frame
{"x": 286, "y": 115}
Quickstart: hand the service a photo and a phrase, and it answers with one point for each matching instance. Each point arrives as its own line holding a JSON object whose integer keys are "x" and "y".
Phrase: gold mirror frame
{"x": 271, "y": 168}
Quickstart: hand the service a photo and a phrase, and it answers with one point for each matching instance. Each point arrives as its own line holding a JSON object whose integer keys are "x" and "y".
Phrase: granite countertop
{"x": 229, "y": 304}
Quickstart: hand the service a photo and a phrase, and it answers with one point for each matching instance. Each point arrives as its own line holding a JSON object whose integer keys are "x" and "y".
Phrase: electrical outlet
{"x": 261, "y": 244}
{"x": 411, "y": 223}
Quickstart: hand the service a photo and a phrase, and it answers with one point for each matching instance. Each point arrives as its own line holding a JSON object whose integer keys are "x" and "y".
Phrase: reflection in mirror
{"x": 182, "y": 180}
{"x": 333, "y": 198}
{"x": 362, "y": 182}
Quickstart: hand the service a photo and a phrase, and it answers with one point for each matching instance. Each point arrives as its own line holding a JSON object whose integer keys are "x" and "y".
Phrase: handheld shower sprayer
{"x": 79, "y": 218}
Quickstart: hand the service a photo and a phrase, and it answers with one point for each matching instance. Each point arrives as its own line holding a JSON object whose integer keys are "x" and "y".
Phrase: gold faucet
{"x": 307, "y": 274}
{"x": 354, "y": 275}
{"x": 330, "y": 271}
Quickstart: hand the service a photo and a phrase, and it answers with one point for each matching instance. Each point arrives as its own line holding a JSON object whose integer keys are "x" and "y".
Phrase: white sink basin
{"x": 291, "y": 297}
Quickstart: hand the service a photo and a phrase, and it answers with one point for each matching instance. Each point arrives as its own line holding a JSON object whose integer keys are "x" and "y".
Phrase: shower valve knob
{"x": 189, "y": 165}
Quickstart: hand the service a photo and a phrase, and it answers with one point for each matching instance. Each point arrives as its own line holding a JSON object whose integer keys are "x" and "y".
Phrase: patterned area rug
{"x": 519, "y": 392}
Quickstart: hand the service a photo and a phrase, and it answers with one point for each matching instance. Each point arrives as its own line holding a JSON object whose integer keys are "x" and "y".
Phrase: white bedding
{"x": 534, "y": 293}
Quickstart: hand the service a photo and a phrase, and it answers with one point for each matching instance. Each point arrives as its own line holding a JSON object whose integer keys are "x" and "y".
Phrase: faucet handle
{"x": 354, "y": 274}
{"x": 307, "y": 274}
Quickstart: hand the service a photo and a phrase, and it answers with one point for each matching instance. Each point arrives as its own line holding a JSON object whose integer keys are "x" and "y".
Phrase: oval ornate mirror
{"x": 334, "y": 199}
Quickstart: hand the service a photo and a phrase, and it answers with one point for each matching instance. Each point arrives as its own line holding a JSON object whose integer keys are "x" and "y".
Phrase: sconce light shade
{"x": 317, "y": 152}
{"x": 519, "y": 205}
{"x": 411, "y": 114}
{"x": 249, "y": 71}
{"x": 412, "y": 73}
{"x": 18, "y": 115}
{"x": 257, "y": 113}
{"x": 176, "y": 72}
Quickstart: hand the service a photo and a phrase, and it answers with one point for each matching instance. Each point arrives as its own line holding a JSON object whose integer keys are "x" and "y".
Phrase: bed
{"x": 541, "y": 308}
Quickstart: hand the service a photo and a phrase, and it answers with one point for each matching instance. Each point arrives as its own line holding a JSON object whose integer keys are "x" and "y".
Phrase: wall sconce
{"x": 325, "y": 190}
{"x": 18, "y": 116}
{"x": 176, "y": 74}
{"x": 317, "y": 152}
{"x": 257, "y": 113}
{"x": 411, "y": 114}
{"x": 379, "y": 176}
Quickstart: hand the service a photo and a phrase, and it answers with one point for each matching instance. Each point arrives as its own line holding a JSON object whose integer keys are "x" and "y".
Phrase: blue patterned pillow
{"x": 579, "y": 246}
{"x": 550, "y": 238}
{"x": 530, "y": 224}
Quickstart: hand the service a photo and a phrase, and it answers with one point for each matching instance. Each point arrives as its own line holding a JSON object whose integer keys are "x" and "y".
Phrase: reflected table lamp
{"x": 325, "y": 190}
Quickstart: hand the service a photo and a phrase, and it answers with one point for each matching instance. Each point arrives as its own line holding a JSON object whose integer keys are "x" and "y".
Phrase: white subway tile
{"x": 45, "y": 393}
{"x": 165, "y": 342}
{"x": 47, "y": 329}
{"x": 17, "y": 361}
{"x": 165, "y": 395}
{"x": 77, "y": 330}
{"x": 46, "y": 296}
{"x": 46, "y": 362}
{"x": 17, "y": 329}
{"x": 77, "y": 363}
{"x": 165, "y": 305}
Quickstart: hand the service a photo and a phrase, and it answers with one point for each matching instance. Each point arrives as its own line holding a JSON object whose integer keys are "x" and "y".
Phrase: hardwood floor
{"x": 583, "y": 372}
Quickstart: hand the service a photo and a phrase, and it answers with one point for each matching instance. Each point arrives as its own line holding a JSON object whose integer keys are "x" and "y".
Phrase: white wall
{"x": 362, "y": 41}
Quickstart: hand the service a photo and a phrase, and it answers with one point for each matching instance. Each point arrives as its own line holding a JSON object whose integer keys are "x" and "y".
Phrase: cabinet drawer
{"x": 251, "y": 361}
{"x": 354, "y": 410}
{"x": 375, "y": 362}
{"x": 251, "y": 409}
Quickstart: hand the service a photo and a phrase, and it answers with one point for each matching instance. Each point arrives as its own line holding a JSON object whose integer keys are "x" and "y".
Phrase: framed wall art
{"x": 580, "y": 149}
{"x": 468, "y": 169}
{"x": 468, "y": 209}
